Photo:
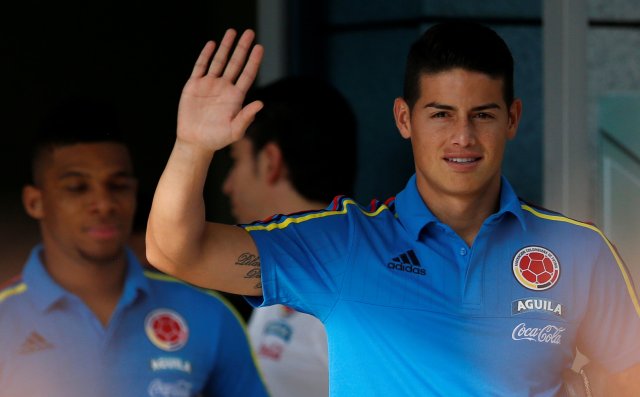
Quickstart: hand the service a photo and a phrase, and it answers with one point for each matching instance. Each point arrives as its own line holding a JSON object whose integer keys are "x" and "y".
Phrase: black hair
{"x": 315, "y": 128}
{"x": 75, "y": 120}
{"x": 461, "y": 44}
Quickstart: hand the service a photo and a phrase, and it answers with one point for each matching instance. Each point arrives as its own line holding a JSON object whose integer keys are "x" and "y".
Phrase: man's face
{"x": 245, "y": 184}
{"x": 85, "y": 200}
{"x": 458, "y": 128}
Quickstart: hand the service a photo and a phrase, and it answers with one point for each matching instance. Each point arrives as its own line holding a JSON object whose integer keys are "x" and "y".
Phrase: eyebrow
{"x": 480, "y": 108}
{"x": 78, "y": 174}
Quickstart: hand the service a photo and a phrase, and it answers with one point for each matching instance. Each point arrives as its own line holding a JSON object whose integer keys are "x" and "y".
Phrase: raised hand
{"x": 210, "y": 114}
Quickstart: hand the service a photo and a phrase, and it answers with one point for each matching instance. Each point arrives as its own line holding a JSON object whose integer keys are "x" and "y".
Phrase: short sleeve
{"x": 609, "y": 331}
{"x": 303, "y": 259}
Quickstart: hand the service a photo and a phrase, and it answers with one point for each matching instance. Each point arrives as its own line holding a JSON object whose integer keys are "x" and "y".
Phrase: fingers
{"x": 251, "y": 69}
{"x": 220, "y": 59}
{"x": 239, "y": 55}
{"x": 200, "y": 68}
{"x": 238, "y": 66}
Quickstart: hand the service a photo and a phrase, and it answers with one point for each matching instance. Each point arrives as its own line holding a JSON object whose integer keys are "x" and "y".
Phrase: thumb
{"x": 245, "y": 117}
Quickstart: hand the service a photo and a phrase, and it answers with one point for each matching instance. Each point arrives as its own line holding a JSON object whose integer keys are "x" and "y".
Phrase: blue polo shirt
{"x": 164, "y": 339}
{"x": 411, "y": 310}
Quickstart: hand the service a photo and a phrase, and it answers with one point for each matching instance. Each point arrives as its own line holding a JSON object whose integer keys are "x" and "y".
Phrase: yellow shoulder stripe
{"x": 15, "y": 290}
{"x": 160, "y": 276}
{"x": 322, "y": 214}
{"x": 621, "y": 267}
{"x": 164, "y": 277}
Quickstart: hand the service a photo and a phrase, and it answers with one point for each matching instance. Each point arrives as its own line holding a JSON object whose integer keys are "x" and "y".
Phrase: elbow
{"x": 166, "y": 253}
{"x": 155, "y": 256}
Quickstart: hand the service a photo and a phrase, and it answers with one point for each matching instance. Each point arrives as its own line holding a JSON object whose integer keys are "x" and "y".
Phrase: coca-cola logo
{"x": 547, "y": 334}
{"x": 159, "y": 388}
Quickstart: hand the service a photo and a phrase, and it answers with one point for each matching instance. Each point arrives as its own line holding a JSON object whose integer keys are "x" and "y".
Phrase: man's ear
{"x": 32, "y": 201}
{"x": 515, "y": 112}
{"x": 402, "y": 115}
{"x": 272, "y": 163}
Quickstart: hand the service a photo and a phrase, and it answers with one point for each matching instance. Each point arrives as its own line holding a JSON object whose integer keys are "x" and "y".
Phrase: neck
{"x": 298, "y": 204}
{"x": 99, "y": 285}
{"x": 465, "y": 214}
{"x": 287, "y": 200}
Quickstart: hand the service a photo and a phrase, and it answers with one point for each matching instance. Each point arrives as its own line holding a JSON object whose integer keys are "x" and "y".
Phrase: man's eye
{"x": 484, "y": 116}
{"x": 439, "y": 115}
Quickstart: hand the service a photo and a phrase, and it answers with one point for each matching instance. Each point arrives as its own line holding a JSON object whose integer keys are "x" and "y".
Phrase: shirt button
{"x": 463, "y": 251}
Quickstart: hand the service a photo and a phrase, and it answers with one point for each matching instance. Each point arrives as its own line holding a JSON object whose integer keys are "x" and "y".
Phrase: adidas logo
{"x": 34, "y": 342}
{"x": 407, "y": 262}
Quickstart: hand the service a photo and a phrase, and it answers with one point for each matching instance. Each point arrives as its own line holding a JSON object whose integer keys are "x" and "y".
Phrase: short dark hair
{"x": 74, "y": 120}
{"x": 460, "y": 44}
{"x": 315, "y": 128}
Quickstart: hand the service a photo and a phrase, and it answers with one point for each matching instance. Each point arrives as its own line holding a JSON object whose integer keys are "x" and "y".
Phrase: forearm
{"x": 211, "y": 116}
{"x": 176, "y": 226}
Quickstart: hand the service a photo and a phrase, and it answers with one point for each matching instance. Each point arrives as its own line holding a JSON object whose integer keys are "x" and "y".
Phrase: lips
{"x": 464, "y": 162}
{"x": 103, "y": 232}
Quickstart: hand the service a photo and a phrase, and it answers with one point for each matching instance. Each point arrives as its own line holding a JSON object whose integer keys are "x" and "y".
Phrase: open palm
{"x": 211, "y": 114}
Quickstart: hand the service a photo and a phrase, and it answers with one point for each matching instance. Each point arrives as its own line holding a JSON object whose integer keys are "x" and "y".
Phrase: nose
{"x": 103, "y": 200}
{"x": 464, "y": 134}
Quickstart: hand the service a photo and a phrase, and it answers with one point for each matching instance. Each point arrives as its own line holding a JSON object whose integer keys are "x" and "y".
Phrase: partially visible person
{"x": 84, "y": 318}
{"x": 298, "y": 152}
{"x": 139, "y": 228}
{"x": 455, "y": 287}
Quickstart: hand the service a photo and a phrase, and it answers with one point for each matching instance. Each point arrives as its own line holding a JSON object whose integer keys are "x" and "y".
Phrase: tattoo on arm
{"x": 248, "y": 259}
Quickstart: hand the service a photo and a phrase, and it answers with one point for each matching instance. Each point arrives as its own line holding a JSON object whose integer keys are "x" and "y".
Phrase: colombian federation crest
{"x": 166, "y": 329}
{"x": 536, "y": 268}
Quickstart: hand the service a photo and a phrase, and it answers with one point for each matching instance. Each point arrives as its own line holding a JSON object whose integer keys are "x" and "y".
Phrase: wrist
{"x": 192, "y": 150}
{"x": 576, "y": 384}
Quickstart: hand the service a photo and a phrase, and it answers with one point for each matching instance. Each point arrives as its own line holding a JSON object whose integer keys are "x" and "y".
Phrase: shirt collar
{"x": 46, "y": 292}
{"x": 135, "y": 280}
{"x": 415, "y": 215}
{"x": 509, "y": 203}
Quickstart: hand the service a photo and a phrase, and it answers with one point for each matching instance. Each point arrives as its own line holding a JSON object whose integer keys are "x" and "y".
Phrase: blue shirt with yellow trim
{"x": 411, "y": 310}
{"x": 164, "y": 339}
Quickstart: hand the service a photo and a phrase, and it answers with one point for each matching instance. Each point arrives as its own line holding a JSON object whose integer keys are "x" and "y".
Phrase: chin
{"x": 103, "y": 255}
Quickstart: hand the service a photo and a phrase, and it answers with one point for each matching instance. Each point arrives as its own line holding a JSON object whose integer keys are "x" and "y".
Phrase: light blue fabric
{"x": 52, "y": 345}
{"x": 411, "y": 310}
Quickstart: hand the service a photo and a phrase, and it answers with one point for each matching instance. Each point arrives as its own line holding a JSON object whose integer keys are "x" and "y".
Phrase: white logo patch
{"x": 541, "y": 305}
{"x": 547, "y": 334}
{"x": 159, "y": 388}
{"x": 170, "y": 363}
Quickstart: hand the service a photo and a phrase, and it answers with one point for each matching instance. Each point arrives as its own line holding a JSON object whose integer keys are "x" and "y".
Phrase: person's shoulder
{"x": 377, "y": 214}
{"x": 166, "y": 282}
{"x": 180, "y": 290}
{"x": 201, "y": 308}
{"x": 341, "y": 209}
{"x": 12, "y": 291}
{"x": 544, "y": 217}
